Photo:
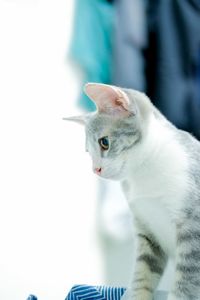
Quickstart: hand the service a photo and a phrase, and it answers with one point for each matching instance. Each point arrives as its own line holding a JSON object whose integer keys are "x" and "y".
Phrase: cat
{"x": 158, "y": 166}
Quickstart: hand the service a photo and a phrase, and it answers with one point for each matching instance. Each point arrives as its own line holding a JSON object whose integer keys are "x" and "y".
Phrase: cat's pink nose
{"x": 98, "y": 170}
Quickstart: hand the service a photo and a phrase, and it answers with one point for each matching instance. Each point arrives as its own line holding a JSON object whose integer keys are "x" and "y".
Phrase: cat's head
{"x": 115, "y": 130}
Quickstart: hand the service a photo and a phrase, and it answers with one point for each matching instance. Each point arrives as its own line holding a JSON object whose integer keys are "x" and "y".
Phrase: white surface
{"x": 47, "y": 194}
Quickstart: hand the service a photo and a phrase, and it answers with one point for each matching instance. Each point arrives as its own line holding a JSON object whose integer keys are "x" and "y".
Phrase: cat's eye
{"x": 104, "y": 143}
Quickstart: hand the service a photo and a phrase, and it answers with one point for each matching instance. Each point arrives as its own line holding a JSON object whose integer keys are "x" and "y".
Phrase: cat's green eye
{"x": 104, "y": 143}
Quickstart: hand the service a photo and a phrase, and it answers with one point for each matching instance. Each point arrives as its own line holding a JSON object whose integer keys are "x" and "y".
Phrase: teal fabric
{"x": 91, "y": 44}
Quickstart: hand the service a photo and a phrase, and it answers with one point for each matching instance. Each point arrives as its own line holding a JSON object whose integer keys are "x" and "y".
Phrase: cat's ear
{"x": 78, "y": 119}
{"x": 108, "y": 99}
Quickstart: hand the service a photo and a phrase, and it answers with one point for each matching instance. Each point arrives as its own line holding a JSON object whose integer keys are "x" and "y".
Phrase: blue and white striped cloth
{"x": 88, "y": 292}
{"x": 31, "y": 297}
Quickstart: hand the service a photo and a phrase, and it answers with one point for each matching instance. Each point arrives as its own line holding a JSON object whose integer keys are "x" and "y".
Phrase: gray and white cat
{"x": 158, "y": 166}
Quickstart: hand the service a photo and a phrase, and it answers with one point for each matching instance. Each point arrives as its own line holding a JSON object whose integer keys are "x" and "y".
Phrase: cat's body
{"x": 155, "y": 191}
{"x": 159, "y": 169}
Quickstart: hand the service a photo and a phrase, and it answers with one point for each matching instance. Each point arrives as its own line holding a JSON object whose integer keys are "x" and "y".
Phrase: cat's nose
{"x": 97, "y": 171}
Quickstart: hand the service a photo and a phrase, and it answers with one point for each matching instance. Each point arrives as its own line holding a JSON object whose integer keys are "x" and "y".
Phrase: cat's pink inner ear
{"x": 107, "y": 98}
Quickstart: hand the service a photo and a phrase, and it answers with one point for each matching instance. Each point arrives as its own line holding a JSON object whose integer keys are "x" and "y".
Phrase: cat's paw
{"x": 127, "y": 295}
{"x": 172, "y": 297}
{"x": 160, "y": 295}
{"x": 144, "y": 295}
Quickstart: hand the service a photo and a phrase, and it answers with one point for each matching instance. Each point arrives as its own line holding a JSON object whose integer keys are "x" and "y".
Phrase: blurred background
{"x": 59, "y": 225}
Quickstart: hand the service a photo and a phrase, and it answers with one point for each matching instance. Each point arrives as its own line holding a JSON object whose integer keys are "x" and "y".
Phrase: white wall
{"x": 47, "y": 190}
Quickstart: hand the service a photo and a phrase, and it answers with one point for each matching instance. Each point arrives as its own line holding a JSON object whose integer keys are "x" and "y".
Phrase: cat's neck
{"x": 158, "y": 149}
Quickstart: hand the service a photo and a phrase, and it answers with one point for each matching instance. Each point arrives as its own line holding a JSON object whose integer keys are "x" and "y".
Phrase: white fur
{"x": 157, "y": 188}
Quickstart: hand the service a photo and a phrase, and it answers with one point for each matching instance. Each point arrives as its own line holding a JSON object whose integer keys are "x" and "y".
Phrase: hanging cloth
{"x": 91, "y": 45}
{"x": 173, "y": 59}
{"x": 130, "y": 38}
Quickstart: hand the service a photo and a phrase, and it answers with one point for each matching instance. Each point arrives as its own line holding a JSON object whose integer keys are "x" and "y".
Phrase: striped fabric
{"x": 31, "y": 297}
{"x": 87, "y": 292}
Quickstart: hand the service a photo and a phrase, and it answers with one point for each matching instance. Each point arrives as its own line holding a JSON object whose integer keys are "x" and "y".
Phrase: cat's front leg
{"x": 149, "y": 266}
{"x": 187, "y": 273}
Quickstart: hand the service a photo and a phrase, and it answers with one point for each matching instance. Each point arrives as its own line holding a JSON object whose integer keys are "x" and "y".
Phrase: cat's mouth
{"x": 98, "y": 171}
{"x": 109, "y": 174}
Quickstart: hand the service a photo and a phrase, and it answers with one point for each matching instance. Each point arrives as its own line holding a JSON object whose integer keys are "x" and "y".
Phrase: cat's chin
{"x": 114, "y": 177}
{"x": 114, "y": 174}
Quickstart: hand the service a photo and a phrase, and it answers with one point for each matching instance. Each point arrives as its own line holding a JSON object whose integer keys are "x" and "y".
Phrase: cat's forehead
{"x": 99, "y": 123}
